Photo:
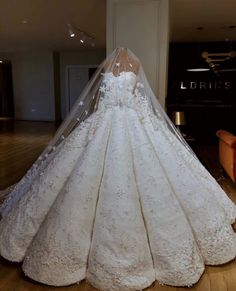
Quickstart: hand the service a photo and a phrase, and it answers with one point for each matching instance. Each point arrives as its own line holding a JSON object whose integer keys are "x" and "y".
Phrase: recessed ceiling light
{"x": 200, "y": 28}
{"x": 1, "y": 62}
{"x": 25, "y": 21}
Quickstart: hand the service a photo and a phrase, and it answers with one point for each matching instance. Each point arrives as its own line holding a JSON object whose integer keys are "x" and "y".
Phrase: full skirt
{"x": 121, "y": 203}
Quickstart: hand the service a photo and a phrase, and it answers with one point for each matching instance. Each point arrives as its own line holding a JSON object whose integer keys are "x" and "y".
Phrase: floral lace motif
{"x": 123, "y": 90}
{"x": 121, "y": 202}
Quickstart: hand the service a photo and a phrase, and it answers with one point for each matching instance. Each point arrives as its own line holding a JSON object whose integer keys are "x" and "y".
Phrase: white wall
{"x": 33, "y": 84}
{"x": 84, "y": 57}
{"x": 33, "y": 80}
{"x": 142, "y": 26}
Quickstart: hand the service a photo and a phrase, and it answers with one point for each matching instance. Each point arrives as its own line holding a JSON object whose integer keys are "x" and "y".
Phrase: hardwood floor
{"x": 22, "y": 142}
{"x": 214, "y": 279}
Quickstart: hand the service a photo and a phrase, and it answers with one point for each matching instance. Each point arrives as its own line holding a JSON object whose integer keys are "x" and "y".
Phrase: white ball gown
{"x": 121, "y": 203}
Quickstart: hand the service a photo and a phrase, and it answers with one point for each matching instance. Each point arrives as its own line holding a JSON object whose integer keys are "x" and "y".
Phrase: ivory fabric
{"x": 121, "y": 203}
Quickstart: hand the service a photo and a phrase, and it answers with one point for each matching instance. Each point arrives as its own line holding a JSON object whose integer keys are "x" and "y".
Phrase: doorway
{"x": 77, "y": 78}
{"x": 6, "y": 91}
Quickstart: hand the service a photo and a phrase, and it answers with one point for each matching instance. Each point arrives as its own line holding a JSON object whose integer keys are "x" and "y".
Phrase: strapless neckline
{"x": 120, "y": 74}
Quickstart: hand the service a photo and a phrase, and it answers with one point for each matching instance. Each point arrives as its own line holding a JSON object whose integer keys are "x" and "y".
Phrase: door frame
{"x": 68, "y": 67}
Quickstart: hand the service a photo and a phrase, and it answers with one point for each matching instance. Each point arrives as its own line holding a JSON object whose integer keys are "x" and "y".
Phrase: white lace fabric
{"x": 121, "y": 203}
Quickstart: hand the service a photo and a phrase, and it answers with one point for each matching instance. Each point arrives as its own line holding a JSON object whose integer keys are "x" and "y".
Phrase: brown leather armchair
{"x": 227, "y": 152}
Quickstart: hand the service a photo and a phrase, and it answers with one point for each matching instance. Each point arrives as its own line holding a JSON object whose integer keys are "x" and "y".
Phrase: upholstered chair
{"x": 227, "y": 152}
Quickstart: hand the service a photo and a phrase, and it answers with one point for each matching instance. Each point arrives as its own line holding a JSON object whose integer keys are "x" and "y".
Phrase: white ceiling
{"x": 47, "y": 22}
{"x": 215, "y": 16}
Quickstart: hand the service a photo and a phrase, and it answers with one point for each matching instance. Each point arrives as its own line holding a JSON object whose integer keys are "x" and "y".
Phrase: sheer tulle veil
{"x": 120, "y": 60}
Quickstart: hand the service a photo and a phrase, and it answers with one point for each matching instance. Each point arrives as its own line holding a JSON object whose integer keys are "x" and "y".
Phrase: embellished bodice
{"x": 122, "y": 90}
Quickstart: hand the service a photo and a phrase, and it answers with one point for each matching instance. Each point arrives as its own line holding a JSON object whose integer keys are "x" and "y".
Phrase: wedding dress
{"x": 121, "y": 201}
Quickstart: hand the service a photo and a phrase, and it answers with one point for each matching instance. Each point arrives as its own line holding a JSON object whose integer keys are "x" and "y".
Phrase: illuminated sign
{"x": 206, "y": 85}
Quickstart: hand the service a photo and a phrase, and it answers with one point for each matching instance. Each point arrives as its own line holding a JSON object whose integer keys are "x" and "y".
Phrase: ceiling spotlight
{"x": 71, "y": 30}
{"x": 83, "y": 37}
{"x": 91, "y": 41}
{"x": 1, "y": 62}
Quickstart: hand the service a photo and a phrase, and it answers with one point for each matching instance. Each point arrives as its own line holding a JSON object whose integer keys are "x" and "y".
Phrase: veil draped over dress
{"x": 117, "y": 197}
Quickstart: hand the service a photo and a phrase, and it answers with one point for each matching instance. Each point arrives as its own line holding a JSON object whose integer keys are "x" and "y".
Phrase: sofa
{"x": 227, "y": 152}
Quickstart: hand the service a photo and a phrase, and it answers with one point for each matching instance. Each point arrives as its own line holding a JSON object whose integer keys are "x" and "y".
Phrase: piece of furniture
{"x": 227, "y": 152}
